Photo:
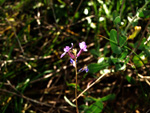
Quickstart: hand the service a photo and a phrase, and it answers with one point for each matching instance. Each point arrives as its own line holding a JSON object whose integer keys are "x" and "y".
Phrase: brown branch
{"x": 75, "y": 12}
{"x": 26, "y": 98}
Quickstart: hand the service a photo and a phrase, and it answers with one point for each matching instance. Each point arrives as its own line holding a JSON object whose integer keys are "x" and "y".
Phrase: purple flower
{"x": 67, "y": 50}
{"x": 83, "y": 47}
{"x": 85, "y": 68}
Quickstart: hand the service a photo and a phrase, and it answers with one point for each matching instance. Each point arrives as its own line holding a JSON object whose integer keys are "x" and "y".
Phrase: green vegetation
{"x": 33, "y": 77}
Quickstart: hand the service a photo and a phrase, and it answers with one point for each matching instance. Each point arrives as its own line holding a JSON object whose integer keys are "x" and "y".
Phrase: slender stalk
{"x": 135, "y": 17}
{"x": 76, "y": 73}
{"x": 76, "y": 86}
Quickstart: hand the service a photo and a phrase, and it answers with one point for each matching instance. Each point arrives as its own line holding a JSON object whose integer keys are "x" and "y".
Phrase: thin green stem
{"x": 135, "y": 17}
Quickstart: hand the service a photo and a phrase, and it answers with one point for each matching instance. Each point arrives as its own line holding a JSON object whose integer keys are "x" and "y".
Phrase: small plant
{"x": 73, "y": 60}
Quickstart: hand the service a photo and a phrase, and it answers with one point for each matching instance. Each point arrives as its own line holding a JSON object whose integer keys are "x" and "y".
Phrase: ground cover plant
{"x": 74, "y": 56}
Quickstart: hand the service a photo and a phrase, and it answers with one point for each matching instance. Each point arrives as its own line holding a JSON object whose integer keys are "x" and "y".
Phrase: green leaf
{"x": 83, "y": 107}
{"x": 142, "y": 45}
{"x": 130, "y": 79}
{"x": 73, "y": 85}
{"x": 96, "y": 107}
{"x": 137, "y": 60}
{"x": 60, "y": 1}
{"x": 69, "y": 102}
{"x": 113, "y": 42}
{"x": 145, "y": 14}
{"x": 91, "y": 99}
{"x": 122, "y": 40}
{"x": 117, "y": 20}
{"x": 124, "y": 54}
{"x": 2, "y": 1}
{"x": 108, "y": 97}
{"x": 95, "y": 52}
{"x": 120, "y": 66}
{"x": 94, "y": 67}
{"x": 113, "y": 60}
{"x": 147, "y": 51}
{"x": 115, "y": 14}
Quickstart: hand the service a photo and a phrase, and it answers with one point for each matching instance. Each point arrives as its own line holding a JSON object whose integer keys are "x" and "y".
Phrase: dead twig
{"x": 146, "y": 78}
{"x": 97, "y": 80}
{"x": 21, "y": 95}
{"x": 75, "y": 12}
{"x": 26, "y": 98}
{"x": 24, "y": 59}
{"x": 15, "y": 36}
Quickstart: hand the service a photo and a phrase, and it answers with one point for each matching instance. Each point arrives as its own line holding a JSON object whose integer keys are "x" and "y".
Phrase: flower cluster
{"x": 73, "y": 55}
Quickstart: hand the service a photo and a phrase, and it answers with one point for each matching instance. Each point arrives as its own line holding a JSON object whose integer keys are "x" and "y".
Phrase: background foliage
{"x": 33, "y": 34}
